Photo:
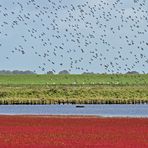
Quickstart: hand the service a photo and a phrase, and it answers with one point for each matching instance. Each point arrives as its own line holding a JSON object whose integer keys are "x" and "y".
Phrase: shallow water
{"x": 116, "y": 110}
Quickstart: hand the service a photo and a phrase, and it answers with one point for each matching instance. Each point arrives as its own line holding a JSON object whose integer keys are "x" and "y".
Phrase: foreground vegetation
{"x": 88, "y": 89}
{"x": 72, "y": 132}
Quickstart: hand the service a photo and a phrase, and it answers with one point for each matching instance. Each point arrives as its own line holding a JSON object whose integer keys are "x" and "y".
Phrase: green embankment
{"x": 51, "y": 89}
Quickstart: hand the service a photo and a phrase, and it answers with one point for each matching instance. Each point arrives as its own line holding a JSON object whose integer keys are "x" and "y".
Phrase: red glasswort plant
{"x": 72, "y": 132}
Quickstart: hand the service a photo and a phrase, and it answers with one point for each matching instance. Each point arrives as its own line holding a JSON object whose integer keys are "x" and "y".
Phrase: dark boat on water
{"x": 80, "y": 106}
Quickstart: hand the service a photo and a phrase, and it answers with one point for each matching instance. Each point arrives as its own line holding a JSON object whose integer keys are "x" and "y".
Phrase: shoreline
{"x": 70, "y": 116}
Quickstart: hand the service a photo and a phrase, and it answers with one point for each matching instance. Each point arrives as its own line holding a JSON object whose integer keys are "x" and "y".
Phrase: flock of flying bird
{"x": 78, "y": 36}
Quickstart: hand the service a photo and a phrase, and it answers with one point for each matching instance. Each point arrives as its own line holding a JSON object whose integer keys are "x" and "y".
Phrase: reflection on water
{"x": 116, "y": 110}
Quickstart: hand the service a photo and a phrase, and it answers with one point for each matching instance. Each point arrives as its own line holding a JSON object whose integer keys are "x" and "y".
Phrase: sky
{"x": 104, "y": 34}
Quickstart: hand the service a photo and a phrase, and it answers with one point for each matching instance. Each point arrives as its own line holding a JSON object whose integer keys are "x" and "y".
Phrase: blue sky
{"x": 14, "y": 38}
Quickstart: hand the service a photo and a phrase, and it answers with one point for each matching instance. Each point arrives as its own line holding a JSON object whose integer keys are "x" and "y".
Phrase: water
{"x": 116, "y": 110}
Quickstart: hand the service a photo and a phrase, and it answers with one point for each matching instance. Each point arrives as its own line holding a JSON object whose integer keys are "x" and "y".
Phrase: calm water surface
{"x": 98, "y": 110}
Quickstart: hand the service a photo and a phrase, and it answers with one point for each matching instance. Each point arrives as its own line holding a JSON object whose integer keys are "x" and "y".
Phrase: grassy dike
{"x": 75, "y": 89}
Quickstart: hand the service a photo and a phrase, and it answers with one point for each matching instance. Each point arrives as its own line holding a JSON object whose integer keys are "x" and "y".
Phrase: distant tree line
{"x": 66, "y": 72}
{"x": 49, "y": 72}
{"x": 132, "y": 72}
{"x": 16, "y": 72}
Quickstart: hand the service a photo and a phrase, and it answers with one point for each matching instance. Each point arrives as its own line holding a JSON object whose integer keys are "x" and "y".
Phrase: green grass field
{"x": 75, "y": 79}
{"x": 51, "y": 89}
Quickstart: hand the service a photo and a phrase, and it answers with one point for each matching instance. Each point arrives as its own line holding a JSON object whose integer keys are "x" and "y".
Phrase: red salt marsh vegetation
{"x": 72, "y": 132}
